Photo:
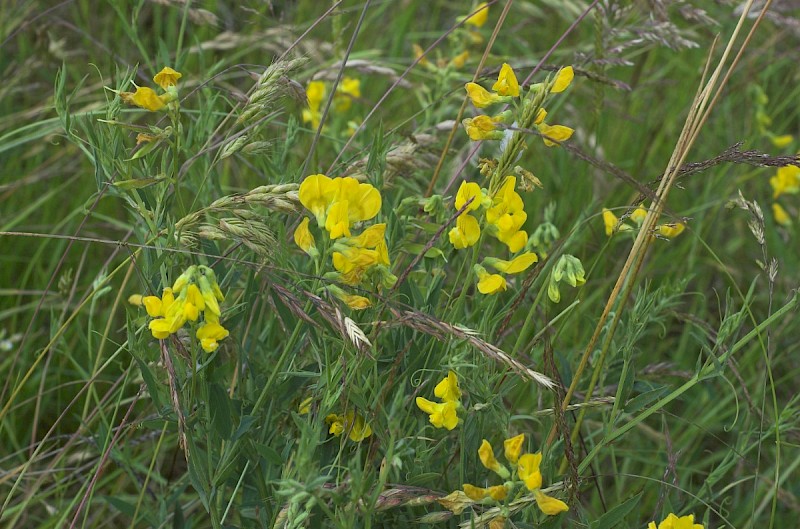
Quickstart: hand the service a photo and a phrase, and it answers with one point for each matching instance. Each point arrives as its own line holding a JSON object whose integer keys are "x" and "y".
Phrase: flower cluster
{"x": 338, "y": 204}
{"x": 503, "y": 218}
{"x": 785, "y": 181}
{"x": 351, "y": 423}
{"x": 198, "y": 293}
{"x": 463, "y": 39}
{"x": 348, "y": 90}
{"x": 443, "y": 414}
{"x": 148, "y": 99}
{"x": 505, "y": 90}
{"x": 524, "y": 470}
{"x": 673, "y": 522}
{"x": 568, "y": 268}
{"x": 612, "y": 224}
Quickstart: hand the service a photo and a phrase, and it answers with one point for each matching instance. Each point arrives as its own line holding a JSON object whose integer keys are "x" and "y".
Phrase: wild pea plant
{"x": 419, "y": 283}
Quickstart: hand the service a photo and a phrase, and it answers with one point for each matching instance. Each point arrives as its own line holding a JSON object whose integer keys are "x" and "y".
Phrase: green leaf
{"x": 137, "y": 183}
{"x": 221, "y": 411}
{"x": 615, "y": 516}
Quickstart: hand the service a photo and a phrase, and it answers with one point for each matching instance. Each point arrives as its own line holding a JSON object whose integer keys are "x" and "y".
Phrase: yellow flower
{"x": 442, "y": 415}
{"x": 638, "y": 215}
{"x": 365, "y": 200}
{"x": 304, "y": 239}
{"x": 369, "y": 238}
{"x": 466, "y": 232}
{"x": 419, "y": 54}
{"x": 136, "y": 300}
{"x": 317, "y": 192}
{"x": 448, "y": 389}
{"x": 160, "y": 328}
{"x": 480, "y": 96}
{"x": 670, "y": 230}
{"x": 673, "y": 522}
{"x": 354, "y": 258}
{"x": 348, "y": 89}
{"x": 315, "y": 93}
{"x": 482, "y": 128}
{"x": 563, "y": 79}
{"x": 350, "y": 422}
{"x": 513, "y": 447}
{"x": 519, "y": 264}
{"x": 305, "y": 406}
{"x": 782, "y": 141}
{"x": 460, "y": 60}
{"x": 515, "y": 240}
{"x": 479, "y": 16}
{"x": 528, "y": 470}
{"x": 506, "y": 84}
{"x": 209, "y": 334}
{"x": 554, "y": 133}
{"x": 167, "y": 77}
{"x": 146, "y": 98}
{"x": 786, "y": 180}
{"x": 611, "y": 223}
{"x": 353, "y": 301}
{"x": 467, "y": 191}
{"x": 781, "y": 216}
{"x": 475, "y": 493}
{"x": 486, "y": 455}
{"x": 337, "y": 221}
{"x": 549, "y": 505}
{"x": 489, "y": 283}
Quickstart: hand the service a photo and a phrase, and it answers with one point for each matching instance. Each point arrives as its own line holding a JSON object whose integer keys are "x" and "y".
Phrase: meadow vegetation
{"x": 402, "y": 263}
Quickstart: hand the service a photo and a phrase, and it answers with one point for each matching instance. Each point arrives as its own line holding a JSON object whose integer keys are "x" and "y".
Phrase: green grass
{"x": 687, "y": 400}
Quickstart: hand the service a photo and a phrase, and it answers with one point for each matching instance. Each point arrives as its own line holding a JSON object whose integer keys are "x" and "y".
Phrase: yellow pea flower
{"x": 353, "y": 301}
{"x": 482, "y": 128}
{"x": 315, "y": 93}
{"x": 554, "y": 133}
{"x": 146, "y": 98}
{"x": 786, "y": 180}
{"x": 136, "y": 300}
{"x": 448, "y": 389}
{"x": 349, "y": 422}
{"x": 365, "y": 200}
{"x": 563, "y": 79}
{"x": 466, "y": 232}
{"x": 475, "y": 493}
{"x": 481, "y": 97}
{"x": 160, "y": 328}
{"x": 194, "y": 297}
{"x": 479, "y": 15}
{"x": 515, "y": 241}
{"x": 548, "y": 504}
{"x": 781, "y": 216}
{"x": 167, "y": 77}
{"x": 305, "y": 406}
{"x": 611, "y": 223}
{"x": 419, "y": 54}
{"x": 513, "y": 447}
{"x": 519, "y": 264}
{"x": 459, "y": 60}
{"x": 467, "y": 191}
{"x": 670, "y": 230}
{"x": 348, "y": 89}
{"x": 673, "y": 522}
{"x": 317, "y": 192}
{"x": 491, "y": 283}
{"x": 528, "y": 470}
{"x": 506, "y": 84}
{"x": 338, "y": 220}
{"x": 486, "y": 455}
{"x": 441, "y": 415}
{"x": 304, "y": 239}
{"x": 370, "y": 237}
{"x": 209, "y": 334}
{"x": 782, "y": 141}
{"x": 638, "y": 215}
